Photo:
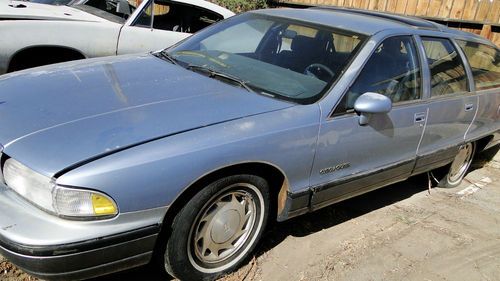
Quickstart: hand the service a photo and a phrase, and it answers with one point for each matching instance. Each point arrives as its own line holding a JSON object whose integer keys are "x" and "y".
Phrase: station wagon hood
{"x": 18, "y": 10}
{"x": 57, "y": 116}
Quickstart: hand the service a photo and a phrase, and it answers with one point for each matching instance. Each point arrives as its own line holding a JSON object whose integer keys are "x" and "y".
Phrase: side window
{"x": 485, "y": 64}
{"x": 177, "y": 17}
{"x": 392, "y": 70}
{"x": 447, "y": 70}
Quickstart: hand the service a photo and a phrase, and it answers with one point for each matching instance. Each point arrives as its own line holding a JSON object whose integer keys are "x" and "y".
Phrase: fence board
{"x": 365, "y": 4}
{"x": 484, "y": 14}
{"x": 445, "y": 10}
{"x": 372, "y": 5}
{"x": 422, "y": 8}
{"x": 434, "y": 7}
{"x": 457, "y": 11}
{"x": 377, "y": 5}
{"x": 411, "y": 7}
{"x": 401, "y": 7}
{"x": 486, "y": 31}
{"x": 494, "y": 13}
{"x": 391, "y": 6}
{"x": 470, "y": 10}
{"x": 496, "y": 38}
{"x": 357, "y": 3}
{"x": 482, "y": 11}
{"x": 382, "y": 4}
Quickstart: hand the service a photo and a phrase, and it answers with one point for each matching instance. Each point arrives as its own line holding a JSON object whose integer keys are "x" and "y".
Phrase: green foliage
{"x": 239, "y": 6}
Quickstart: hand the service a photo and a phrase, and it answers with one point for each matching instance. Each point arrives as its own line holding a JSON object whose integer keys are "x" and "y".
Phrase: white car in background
{"x": 36, "y": 34}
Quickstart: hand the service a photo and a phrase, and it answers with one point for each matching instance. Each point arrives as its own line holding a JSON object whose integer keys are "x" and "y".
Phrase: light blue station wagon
{"x": 182, "y": 156}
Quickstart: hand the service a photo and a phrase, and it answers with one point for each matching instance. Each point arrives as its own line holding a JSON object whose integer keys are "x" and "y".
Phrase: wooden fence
{"x": 478, "y": 16}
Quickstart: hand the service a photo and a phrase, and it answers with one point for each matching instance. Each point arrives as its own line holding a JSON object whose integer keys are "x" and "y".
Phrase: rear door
{"x": 351, "y": 158}
{"x": 484, "y": 61}
{"x": 452, "y": 105}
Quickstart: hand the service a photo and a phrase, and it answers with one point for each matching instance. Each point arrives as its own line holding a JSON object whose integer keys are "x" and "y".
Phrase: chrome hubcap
{"x": 461, "y": 163}
{"x": 223, "y": 226}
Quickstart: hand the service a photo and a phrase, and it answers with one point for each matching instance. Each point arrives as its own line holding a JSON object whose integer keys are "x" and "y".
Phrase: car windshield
{"x": 107, "y": 9}
{"x": 272, "y": 56}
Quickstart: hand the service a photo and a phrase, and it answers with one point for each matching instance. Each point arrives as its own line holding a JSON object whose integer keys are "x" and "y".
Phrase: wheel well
{"x": 482, "y": 143}
{"x": 277, "y": 185}
{"x": 273, "y": 175}
{"x": 42, "y": 55}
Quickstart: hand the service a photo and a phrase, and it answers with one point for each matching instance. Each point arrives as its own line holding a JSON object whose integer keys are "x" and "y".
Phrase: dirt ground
{"x": 401, "y": 232}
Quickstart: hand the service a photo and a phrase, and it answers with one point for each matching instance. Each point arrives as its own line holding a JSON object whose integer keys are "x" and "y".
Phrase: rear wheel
{"x": 218, "y": 228}
{"x": 457, "y": 170}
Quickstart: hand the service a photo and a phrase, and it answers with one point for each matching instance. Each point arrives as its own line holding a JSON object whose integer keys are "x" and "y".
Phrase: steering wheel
{"x": 319, "y": 71}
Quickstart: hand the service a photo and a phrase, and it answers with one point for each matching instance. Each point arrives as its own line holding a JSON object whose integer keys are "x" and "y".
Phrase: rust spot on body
{"x": 282, "y": 195}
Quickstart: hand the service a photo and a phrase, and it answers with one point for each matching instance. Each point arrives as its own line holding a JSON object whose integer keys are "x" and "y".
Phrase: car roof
{"x": 361, "y": 21}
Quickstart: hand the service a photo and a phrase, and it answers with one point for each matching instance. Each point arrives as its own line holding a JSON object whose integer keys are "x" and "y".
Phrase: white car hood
{"x": 26, "y": 10}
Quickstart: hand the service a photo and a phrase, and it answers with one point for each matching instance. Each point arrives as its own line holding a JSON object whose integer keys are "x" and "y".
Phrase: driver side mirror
{"x": 371, "y": 103}
{"x": 123, "y": 7}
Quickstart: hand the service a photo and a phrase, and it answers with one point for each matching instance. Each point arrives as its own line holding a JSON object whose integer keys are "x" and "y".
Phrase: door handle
{"x": 420, "y": 117}
{"x": 469, "y": 107}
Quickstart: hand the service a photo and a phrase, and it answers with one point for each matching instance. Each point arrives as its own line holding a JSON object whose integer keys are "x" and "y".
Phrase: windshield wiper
{"x": 166, "y": 56}
{"x": 214, "y": 73}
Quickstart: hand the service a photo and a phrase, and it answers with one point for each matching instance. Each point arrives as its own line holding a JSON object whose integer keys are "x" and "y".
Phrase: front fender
{"x": 154, "y": 174}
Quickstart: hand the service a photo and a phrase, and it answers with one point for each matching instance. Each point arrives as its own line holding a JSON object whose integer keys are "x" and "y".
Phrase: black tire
{"x": 218, "y": 228}
{"x": 452, "y": 175}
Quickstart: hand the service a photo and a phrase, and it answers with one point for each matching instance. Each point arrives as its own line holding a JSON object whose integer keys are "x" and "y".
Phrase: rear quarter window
{"x": 485, "y": 64}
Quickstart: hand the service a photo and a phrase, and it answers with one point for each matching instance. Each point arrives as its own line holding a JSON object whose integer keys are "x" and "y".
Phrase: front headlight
{"x": 62, "y": 201}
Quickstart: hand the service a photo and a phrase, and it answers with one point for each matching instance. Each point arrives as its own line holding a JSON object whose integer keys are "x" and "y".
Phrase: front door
{"x": 350, "y": 158}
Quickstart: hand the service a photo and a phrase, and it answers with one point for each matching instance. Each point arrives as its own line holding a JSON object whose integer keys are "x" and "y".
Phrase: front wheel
{"x": 458, "y": 168}
{"x": 218, "y": 228}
